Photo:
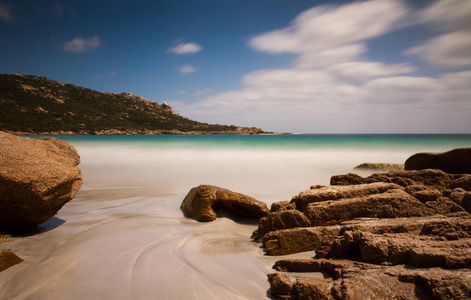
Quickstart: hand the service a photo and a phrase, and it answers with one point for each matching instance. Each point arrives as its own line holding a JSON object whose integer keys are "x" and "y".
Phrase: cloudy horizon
{"x": 377, "y": 66}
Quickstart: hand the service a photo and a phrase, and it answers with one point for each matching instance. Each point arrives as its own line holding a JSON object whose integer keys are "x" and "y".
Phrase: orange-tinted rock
{"x": 37, "y": 177}
{"x": 202, "y": 202}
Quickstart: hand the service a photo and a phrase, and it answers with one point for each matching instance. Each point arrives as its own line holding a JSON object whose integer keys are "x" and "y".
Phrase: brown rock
{"x": 462, "y": 198}
{"x": 421, "y": 242}
{"x": 202, "y": 202}
{"x": 284, "y": 219}
{"x": 288, "y": 241}
{"x": 282, "y": 205}
{"x": 37, "y": 177}
{"x": 423, "y": 193}
{"x": 8, "y": 259}
{"x": 434, "y": 178}
{"x": 456, "y": 161}
{"x": 380, "y": 167}
{"x": 391, "y": 204}
{"x": 463, "y": 182}
{"x": 349, "y": 280}
{"x": 339, "y": 192}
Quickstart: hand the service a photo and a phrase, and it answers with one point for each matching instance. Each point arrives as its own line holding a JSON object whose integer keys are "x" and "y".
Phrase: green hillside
{"x": 38, "y": 105}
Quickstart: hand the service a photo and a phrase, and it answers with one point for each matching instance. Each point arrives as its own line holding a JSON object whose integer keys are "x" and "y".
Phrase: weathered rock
{"x": 202, "y": 202}
{"x": 435, "y": 178}
{"x": 282, "y": 205}
{"x": 339, "y": 192}
{"x": 37, "y": 177}
{"x": 462, "y": 198}
{"x": 421, "y": 242}
{"x": 380, "y": 167}
{"x": 284, "y": 219}
{"x": 456, "y": 161}
{"x": 463, "y": 182}
{"x": 391, "y": 204}
{"x": 346, "y": 280}
{"x": 354, "y": 280}
{"x": 8, "y": 259}
{"x": 423, "y": 193}
{"x": 288, "y": 241}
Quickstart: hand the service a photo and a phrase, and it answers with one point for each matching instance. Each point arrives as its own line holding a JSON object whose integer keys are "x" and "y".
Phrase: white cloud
{"x": 187, "y": 69}
{"x": 202, "y": 92}
{"x": 185, "y": 48}
{"x": 180, "y": 92}
{"x": 78, "y": 44}
{"x": 453, "y": 47}
{"x": 450, "y": 14}
{"x": 112, "y": 73}
{"x": 447, "y": 50}
{"x": 5, "y": 13}
{"x": 328, "y": 27}
{"x": 360, "y": 71}
{"x": 332, "y": 88}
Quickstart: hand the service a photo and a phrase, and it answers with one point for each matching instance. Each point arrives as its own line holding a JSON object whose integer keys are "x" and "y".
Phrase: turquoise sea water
{"x": 268, "y": 166}
{"x": 124, "y": 237}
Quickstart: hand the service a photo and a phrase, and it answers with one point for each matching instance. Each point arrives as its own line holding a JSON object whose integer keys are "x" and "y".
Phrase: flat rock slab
{"x": 37, "y": 177}
{"x": 346, "y": 279}
{"x": 391, "y": 204}
{"x": 333, "y": 192}
{"x": 202, "y": 202}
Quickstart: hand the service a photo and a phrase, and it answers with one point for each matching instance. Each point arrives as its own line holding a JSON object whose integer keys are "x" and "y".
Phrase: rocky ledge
{"x": 396, "y": 235}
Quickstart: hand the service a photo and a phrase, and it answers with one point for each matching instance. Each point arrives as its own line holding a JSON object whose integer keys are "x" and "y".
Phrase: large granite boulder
{"x": 202, "y": 202}
{"x": 456, "y": 161}
{"x": 37, "y": 177}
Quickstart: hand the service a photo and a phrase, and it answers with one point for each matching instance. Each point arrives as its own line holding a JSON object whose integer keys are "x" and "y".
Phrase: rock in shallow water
{"x": 456, "y": 161}
{"x": 37, "y": 177}
{"x": 202, "y": 202}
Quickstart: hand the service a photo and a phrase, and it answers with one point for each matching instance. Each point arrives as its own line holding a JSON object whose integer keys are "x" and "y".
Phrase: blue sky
{"x": 378, "y": 66}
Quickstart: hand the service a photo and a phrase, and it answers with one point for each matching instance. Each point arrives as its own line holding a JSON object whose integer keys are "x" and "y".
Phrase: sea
{"x": 124, "y": 236}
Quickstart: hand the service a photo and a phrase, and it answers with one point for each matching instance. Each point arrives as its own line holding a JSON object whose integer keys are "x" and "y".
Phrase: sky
{"x": 301, "y": 66}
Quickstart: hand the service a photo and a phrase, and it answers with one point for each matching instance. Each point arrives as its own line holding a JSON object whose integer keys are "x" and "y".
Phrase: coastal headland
{"x": 41, "y": 106}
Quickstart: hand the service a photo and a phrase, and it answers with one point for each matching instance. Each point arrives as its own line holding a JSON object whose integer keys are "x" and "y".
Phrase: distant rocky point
{"x": 38, "y": 105}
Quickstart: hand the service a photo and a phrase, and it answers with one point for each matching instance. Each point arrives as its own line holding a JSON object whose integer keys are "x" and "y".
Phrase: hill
{"x": 38, "y": 105}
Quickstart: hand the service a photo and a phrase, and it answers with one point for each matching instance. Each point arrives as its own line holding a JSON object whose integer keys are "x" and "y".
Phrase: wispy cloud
{"x": 5, "y": 13}
{"x": 202, "y": 92}
{"x": 112, "y": 73}
{"x": 79, "y": 44}
{"x": 180, "y": 92}
{"x": 453, "y": 47}
{"x": 187, "y": 69}
{"x": 333, "y": 87}
{"x": 185, "y": 48}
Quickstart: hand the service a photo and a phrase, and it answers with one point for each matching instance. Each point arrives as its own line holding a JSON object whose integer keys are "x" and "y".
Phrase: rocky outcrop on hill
{"x": 396, "y": 235}
{"x": 202, "y": 203}
{"x": 456, "y": 161}
{"x": 37, "y": 177}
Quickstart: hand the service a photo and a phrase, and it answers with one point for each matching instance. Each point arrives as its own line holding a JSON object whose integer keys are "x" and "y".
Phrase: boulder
{"x": 37, "y": 177}
{"x": 202, "y": 202}
{"x": 456, "y": 161}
